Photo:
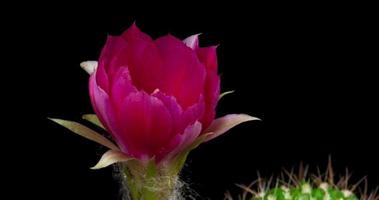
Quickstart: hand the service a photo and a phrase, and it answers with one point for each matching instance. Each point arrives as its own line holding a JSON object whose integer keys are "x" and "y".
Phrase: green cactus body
{"x": 305, "y": 191}
{"x": 304, "y": 186}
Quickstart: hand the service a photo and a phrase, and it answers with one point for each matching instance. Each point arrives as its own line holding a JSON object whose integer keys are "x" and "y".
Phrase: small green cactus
{"x": 305, "y": 191}
{"x": 305, "y": 187}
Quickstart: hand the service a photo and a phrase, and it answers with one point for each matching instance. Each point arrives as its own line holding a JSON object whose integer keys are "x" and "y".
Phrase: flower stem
{"x": 148, "y": 182}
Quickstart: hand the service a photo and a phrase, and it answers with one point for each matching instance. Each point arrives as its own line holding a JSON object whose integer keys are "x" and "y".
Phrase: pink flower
{"x": 157, "y": 97}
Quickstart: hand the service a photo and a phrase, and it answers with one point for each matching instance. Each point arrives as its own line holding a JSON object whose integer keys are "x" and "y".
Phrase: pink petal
{"x": 189, "y": 135}
{"x": 134, "y": 33}
{"x": 185, "y": 124}
{"x": 121, "y": 86}
{"x": 99, "y": 99}
{"x": 181, "y": 72}
{"x": 138, "y": 52}
{"x": 146, "y": 125}
{"x": 173, "y": 107}
{"x": 142, "y": 58}
{"x": 184, "y": 140}
{"x": 223, "y": 124}
{"x": 145, "y": 65}
{"x": 208, "y": 56}
{"x": 192, "y": 41}
{"x": 181, "y": 118}
{"x": 102, "y": 76}
{"x": 103, "y": 107}
{"x": 112, "y": 56}
{"x": 105, "y": 68}
{"x": 211, "y": 94}
{"x": 194, "y": 112}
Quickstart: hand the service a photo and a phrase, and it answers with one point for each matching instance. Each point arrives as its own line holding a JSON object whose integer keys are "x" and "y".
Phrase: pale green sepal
{"x": 110, "y": 157}
{"x": 221, "y": 125}
{"x": 93, "y": 119}
{"x": 86, "y": 132}
{"x": 225, "y": 93}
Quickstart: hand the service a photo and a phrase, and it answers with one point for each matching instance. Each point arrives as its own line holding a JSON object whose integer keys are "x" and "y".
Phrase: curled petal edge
{"x": 225, "y": 93}
{"x": 223, "y": 124}
{"x": 192, "y": 41}
{"x": 179, "y": 160}
{"x": 111, "y": 157}
{"x": 89, "y": 66}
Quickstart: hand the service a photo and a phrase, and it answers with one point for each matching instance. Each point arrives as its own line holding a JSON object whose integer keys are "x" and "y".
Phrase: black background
{"x": 305, "y": 70}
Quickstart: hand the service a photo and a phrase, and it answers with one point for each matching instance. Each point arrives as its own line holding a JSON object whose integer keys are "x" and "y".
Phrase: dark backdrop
{"x": 306, "y": 71}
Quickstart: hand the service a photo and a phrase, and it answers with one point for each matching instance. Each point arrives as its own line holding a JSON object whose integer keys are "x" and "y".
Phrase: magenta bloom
{"x": 157, "y": 96}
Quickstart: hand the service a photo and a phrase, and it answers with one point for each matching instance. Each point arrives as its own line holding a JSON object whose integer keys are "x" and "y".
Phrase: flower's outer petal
{"x": 86, "y": 132}
{"x": 93, "y": 119}
{"x": 173, "y": 107}
{"x": 223, "y": 124}
{"x": 104, "y": 108}
{"x": 110, "y": 157}
{"x": 208, "y": 56}
{"x": 182, "y": 142}
{"x": 189, "y": 136}
{"x": 185, "y": 124}
{"x": 113, "y": 46}
{"x": 134, "y": 33}
{"x": 211, "y": 95}
{"x": 100, "y": 101}
{"x": 192, "y": 41}
{"x": 142, "y": 57}
{"x": 145, "y": 65}
{"x": 146, "y": 125}
{"x": 188, "y": 141}
{"x": 89, "y": 66}
{"x": 181, "y": 73}
{"x": 181, "y": 118}
{"x": 194, "y": 113}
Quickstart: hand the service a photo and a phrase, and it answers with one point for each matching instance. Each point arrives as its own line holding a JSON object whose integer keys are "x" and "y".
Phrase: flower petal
{"x": 85, "y": 132}
{"x": 93, "y": 119}
{"x": 183, "y": 143}
{"x": 173, "y": 107}
{"x": 102, "y": 105}
{"x": 181, "y": 118}
{"x": 208, "y": 56}
{"x": 121, "y": 86}
{"x": 89, "y": 66}
{"x": 192, "y": 41}
{"x": 181, "y": 73}
{"x": 110, "y": 157}
{"x": 142, "y": 57}
{"x": 106, "y": 68}
{"x": 223, "y": 124}
{"x": 211, "y": 96}
{"x": 134, "y": 33}
{"x": 146, "y": 125}
{"x": 189, "y": 136}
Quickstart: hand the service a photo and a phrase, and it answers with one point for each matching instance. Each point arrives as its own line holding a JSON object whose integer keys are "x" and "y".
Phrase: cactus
{"x": 305, "y": 191}
{"x": 302, "y": 186}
